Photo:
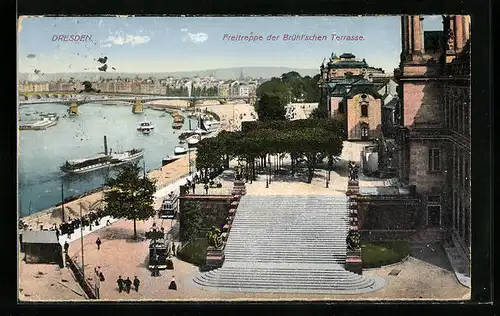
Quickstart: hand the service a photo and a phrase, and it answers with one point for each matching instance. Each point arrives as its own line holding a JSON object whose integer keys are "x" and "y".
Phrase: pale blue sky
{"x": 167, "y": 44}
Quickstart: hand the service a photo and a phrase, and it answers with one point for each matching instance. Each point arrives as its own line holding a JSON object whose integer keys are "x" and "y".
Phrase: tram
{"x": 158, "y": 254}
{"x": 169, "y": 206}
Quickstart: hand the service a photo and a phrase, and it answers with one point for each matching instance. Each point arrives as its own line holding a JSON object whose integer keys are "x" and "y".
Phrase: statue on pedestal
{"x": 353, "y": 240}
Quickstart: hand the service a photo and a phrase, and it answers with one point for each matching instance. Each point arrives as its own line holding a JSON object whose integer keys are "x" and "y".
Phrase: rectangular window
{"x": 364, "y": 109}
{"x": 434, "y": 160}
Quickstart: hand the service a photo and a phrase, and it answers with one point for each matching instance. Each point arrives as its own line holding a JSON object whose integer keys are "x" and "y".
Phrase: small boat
{"x": 180, "y": 150}
{"x": 186, "y": 134}
{"x": 178, "y": 118}
{"x": 177, "y": 125}
{"x": 193, "y": 140}
{"x": 45, "y": 122}
{"x": 169, "y": 159}
{"x": 145, "y": 127}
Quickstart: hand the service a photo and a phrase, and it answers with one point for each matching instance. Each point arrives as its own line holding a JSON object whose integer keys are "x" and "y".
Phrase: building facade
{"x": 351, "y": 98}
{"x": 434, "y": 123}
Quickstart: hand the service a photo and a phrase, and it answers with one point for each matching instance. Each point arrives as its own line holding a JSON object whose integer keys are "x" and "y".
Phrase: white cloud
{"x": 127, "y": 39}
{"x": 184, "y": 30}
{"x": 196, "y": 37}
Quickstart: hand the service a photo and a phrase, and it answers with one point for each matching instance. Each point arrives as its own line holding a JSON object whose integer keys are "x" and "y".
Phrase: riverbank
{"x": 163, "y": 176}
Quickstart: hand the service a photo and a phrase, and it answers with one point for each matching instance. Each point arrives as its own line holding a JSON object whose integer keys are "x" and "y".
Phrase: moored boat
{"x": 169, "y": 159}
{"x": 101, "y": 161}
{"x": 180, "y": 150}
{"x": 177, "y": 125}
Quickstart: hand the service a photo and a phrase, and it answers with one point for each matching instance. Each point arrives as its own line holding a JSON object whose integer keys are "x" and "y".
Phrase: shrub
{"x": 195, "y": 252}
{"x": 375, "y": 255}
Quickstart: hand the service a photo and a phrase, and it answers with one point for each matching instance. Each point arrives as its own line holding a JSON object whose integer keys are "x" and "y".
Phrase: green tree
{"x": 319, "y": 113}
{"x": 270, "y": 108}
{"x": 130, "y": 196}
{"x": 191, "y": 221}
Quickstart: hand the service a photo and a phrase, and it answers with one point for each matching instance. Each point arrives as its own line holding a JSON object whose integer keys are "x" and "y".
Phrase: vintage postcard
{"x": 244, "y": 158}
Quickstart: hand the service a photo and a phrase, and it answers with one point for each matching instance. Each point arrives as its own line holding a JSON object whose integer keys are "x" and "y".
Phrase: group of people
{"x": 69, "y": 227}
{"x": 127, "y": 284}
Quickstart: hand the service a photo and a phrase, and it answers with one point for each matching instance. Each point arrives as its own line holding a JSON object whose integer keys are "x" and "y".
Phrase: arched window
{"x": 364, "y": 109}
{"x": 364, "y": 131}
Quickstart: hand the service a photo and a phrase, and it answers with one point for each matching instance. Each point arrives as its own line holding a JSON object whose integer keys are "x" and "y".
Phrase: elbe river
{"x": 42, "y": 152}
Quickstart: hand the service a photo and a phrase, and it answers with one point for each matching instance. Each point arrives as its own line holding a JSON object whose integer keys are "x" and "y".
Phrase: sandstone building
{"x": 434, "y": 123}
{"x": 350, "y": 95}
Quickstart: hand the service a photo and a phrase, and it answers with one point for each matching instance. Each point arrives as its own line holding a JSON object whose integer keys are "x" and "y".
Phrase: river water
{"x": 42, "y": 152}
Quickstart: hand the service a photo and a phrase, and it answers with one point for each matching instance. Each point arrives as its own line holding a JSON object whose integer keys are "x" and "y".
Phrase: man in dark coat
{"x": 136, "y": 284}
{"x": 128, "y": 284}
{"x": 98, "y": 243}
{"x": 120, "y": 284}
{"x": 206, "y": 188}
{"x": 66, "y": 246}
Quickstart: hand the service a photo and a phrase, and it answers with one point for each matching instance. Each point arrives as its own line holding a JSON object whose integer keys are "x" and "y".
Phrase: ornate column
{"x": 459, "y": 33}
{"x": 466, "y": 27}
{"x": 417, "y": 33}
{"x": 354, "y": 261}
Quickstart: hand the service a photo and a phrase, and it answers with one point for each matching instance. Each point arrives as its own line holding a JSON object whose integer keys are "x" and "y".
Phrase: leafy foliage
{"x": 309, "y": 138}
{"x": 291, "y": 87}
{"x": 270, "y": 107}
{"x": 130, "y": 196}
{"x": 191, "y": 221}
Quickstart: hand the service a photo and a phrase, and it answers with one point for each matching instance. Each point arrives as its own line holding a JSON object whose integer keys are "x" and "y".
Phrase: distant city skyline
{"x": 178, "y": 44}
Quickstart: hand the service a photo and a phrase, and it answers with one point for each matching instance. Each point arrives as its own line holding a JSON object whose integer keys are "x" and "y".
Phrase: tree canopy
{"x": 310, "y": 139}
{"x": 129, "y": 195}
{"x": 291, "y": 87}
{"x": 270, "y": 107}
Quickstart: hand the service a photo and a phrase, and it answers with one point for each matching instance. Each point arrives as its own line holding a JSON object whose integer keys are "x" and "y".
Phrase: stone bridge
{"x": 70, "y": 98}
{"x": 74, "y": 100}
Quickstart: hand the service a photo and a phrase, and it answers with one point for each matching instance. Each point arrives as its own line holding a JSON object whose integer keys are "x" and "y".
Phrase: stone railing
{"x": 77, "y": 272}
{"x": 215, "y": 256}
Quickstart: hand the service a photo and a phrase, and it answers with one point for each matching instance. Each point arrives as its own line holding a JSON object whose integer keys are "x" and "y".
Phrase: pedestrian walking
{"x": 193, "y": 186}
{"x": 206, "y": 188}
{"x": 136, "y": 284}
{"x": 128, "y": 284}
{"x": 98, "y": 242}
{"x": 101, "y": 277}
{"x": 66, "y": 246}
{"x": 174, "y": 249}
{"x": 120, "y": 284}
{"x": 173, "y": 285}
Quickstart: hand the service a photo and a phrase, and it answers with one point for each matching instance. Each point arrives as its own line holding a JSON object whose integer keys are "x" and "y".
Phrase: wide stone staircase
{"x": 288, "y": 244}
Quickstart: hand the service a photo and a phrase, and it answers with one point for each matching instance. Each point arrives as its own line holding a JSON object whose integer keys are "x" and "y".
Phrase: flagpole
{"x": 62, "y": 200}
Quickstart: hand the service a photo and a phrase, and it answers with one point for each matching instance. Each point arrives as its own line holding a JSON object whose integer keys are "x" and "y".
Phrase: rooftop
{"x": 39, "y": 237}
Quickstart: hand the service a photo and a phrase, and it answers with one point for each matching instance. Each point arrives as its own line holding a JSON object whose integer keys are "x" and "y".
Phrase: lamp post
{"x": 81, "y": 243}
{"x": 327, "y": 180}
